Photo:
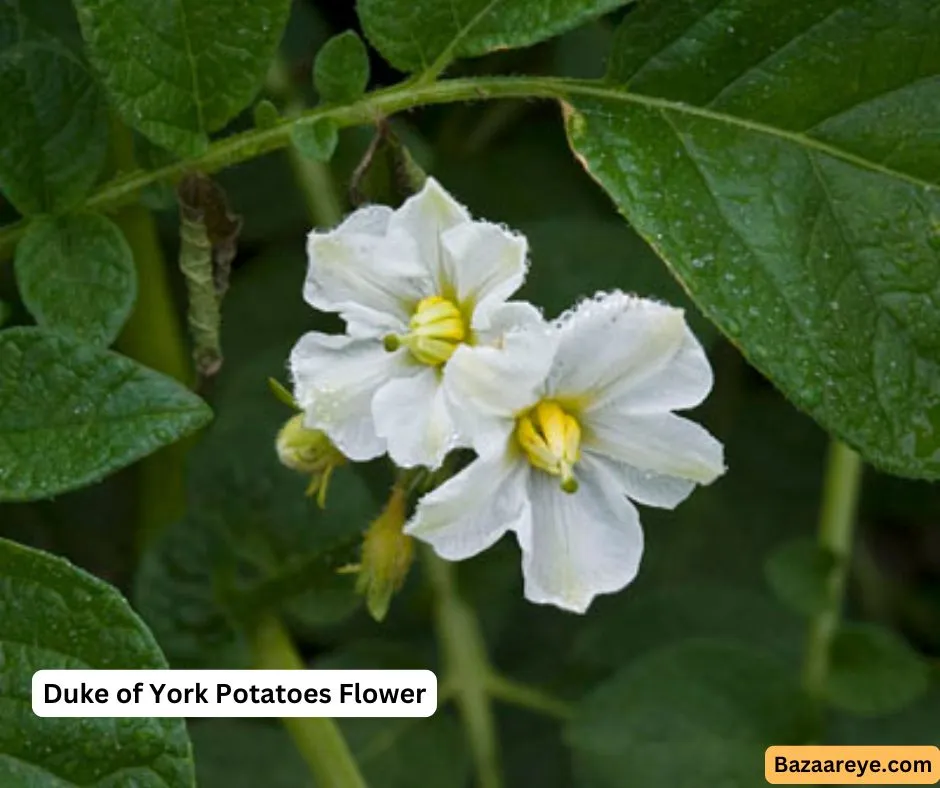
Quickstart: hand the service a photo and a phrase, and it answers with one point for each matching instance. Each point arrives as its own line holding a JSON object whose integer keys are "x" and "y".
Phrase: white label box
{"x": 234, "y": 693}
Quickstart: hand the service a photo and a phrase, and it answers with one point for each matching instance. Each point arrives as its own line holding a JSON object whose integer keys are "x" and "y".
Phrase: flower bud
{"x": 309, "y": 451}
{"x": 387, "y": 554}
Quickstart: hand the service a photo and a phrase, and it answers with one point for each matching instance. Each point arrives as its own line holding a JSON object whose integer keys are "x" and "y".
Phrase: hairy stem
{"x": 318, "y": 739}
{"x": 467, "y": 669}
{"x": 154, "y": 337}
{"x": 250, "y": 144}
{"x": 837, "y": 518}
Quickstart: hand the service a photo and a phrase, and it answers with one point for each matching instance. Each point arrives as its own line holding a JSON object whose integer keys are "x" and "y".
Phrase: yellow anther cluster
{"x": 435, "y": 330}
{"x": 551, "y": 440}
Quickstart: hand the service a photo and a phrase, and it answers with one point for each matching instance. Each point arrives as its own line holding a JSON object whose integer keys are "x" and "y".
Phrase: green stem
{"x": 313, "y": 178}
{"x": 318, "y": 739}
{"x": 524, "y": 696}
{"x": 315, "y": 181}
{"x": 154, "y": 337}
{"x": 837, "y": 517}
{"x": 407, "y": 95}
{"x": 466, "y": 667}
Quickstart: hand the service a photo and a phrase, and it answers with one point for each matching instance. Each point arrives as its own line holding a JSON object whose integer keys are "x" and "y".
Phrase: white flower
{"x": 570, "y": 423}
{"x": 413, "y": 285}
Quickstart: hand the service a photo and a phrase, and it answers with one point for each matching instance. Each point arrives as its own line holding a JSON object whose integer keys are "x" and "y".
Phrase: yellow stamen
{"x": 551, "y": 440}
{"x": 436, "y": 329}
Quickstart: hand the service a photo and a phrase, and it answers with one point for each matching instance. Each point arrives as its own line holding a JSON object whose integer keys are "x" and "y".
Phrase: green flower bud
{"x": 311, "y": 452}
{"x": 387, "y": 554}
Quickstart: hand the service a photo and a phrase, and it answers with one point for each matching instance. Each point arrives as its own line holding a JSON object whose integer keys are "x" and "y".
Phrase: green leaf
{"x": 798, "y": 573}
{"x": 76, "y": 276}
{"x": 793, "y": 192}
{"x": 417, "y": 35}
{"x": 873, "y": 671}
{"x": 265, "y": 115}
{"x": 22, "y": 20}
{"x": 317, "y": 140}
{"x": 54, "y": 134}
{"x": 178, "y": 69}
{"x": 693, "y": 714}
{"x": 54, "y": 616}
{"x": 341, "y": 70}
{"x": 70, "y": 413}
{"x": 5, "y": 313}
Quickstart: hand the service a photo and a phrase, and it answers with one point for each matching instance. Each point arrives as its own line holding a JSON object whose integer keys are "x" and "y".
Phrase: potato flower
{"x": 571, "y": 422}
{"x": 413, "y": 285}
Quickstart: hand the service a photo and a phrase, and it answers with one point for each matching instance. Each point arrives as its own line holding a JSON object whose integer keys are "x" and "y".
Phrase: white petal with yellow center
{"x": 597, "y": 412}
{"x": 490, "y": 385}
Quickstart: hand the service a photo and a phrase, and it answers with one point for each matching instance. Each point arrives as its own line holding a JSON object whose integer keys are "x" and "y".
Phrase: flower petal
{"x": 487, "y": 264}
{"x": 582, "y": 544}
{"x": 659, "y": 442}
{"x": 471, "y": 511}
{"x": 411, "y": 414}
{"x": 646, "y": 487}
{"x": 612, "y": 342}
{"x": 682, "y": 382}
{"x": 364, "y": 271}
{"x": 335, "y": 379}
{"x": 424, "y": 217}
{"x": 487, "y": 386}
{"x": 492, "y": 321}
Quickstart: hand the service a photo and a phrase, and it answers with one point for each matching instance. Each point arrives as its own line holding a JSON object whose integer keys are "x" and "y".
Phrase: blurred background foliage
{"x": 683, "y": 678}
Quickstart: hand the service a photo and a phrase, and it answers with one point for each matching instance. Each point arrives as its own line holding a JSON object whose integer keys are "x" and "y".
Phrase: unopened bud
{"x": 311, "y": 452}
{"x": 387, "y": 554}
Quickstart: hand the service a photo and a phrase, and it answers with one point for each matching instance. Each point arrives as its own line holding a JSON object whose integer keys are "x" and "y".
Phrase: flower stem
{"x": 524, "y": 696}
{"x": 153, "y": 336}
{"x": 466, "y": 667}
{"x": 837, "y": 518}
{"x": 318, "y": 739}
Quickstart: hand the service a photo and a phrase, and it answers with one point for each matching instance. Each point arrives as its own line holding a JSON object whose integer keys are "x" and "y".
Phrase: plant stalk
{"x": 841, "y": 487}
{"x": 154, "y": 337}
{"x": 466, "y": 667}
{"x": 522, "y": 695}
{"x": 318, "y": 739}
